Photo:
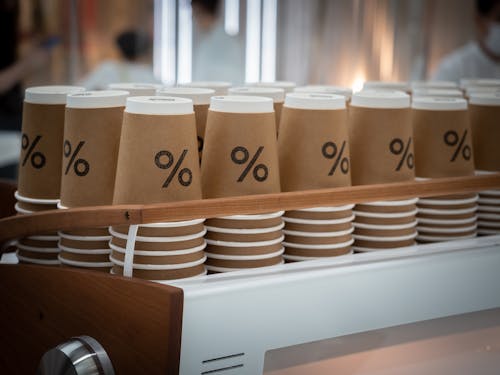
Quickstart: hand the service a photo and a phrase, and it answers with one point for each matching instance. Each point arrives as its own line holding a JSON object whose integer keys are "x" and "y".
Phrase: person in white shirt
{"x": 135, "y": 48}
{"x": 479, "y": 58}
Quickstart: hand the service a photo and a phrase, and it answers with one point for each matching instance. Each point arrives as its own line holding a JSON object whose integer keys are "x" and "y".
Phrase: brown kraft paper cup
{"x": 226, "y": 263}
{"x": 88, "y": 232}
{"x": 450, "y": 235}
{"x": 292, "y": 239}
{"x": 439, "y": 151}
{"x": 37, "y": 255}
{"x": 233, "y": 237}
{"x": 232, "y": 142}
{"x": 163, "y": 274}
{"x": 385, "y": 221}
{"x": 313, "y": 149}
{"x": 92, "y": 258}
{"x": 372, "y": 133}
{"x": 99, "y": 129}
{"x": 169, "y": 259}
{"x": 38, "y": 243}
{"x": 446, "y": 217}
{"x": 162, "y": 232}
{"x": 243, "y": 224}
{"x": 383, "y": 244}
{"x": 447, "y": 207}
{"x": 317, "y": 253}
{"x": 255, "y": 250}
{"x": 384, "y": 232}
{"x": 160, "y": 246}
{"x": 158, "y": 159}
{"x": 385, "y": 209}
{"x": 485, "y": 136}
{"x": 318, "y": 228}
{"x": 40, "y": 172}
{"x": 90, "y": 245}
{"x": 35, "y": 207}
{"x": 311, "y": 215}
{"x": 278, "y": 109}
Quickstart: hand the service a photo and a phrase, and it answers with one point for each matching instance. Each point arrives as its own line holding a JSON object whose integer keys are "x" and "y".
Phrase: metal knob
{"x": 81, "y": 355}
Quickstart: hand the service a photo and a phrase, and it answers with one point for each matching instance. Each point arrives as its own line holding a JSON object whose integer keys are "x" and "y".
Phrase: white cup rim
{"x": 319, "y": 247}
{"x": 245, "y": 244}
{"x": 448, "y": 202}
{"x": 160, "y": 239}
{"x": 45, "y": 262}
{"x": 45, "y": 250}
{"x": 386, "y": 215}
{"x": 318, "y": 222}
{"x": 403, "y": 202}
{"x": 173, "y": 224}
{"x": 488, "y": 201}
{"x": 245, "y": 231}
{"x": 302, "y": 258}
{"x": 488, "y": 216}
{"x": 447, "y": 222}
{"x": 84, "y": 264}
{"x": 384, "y": 238}
{"x": 22, "y": 198}
{"x": 484, "y": 208}
{"x": 21, "y": 210}
{"x": 83, "y": 238}
{"x": 319, "y": 234}
{"x": 246, "y": 257}
{"x": 445, "y": 230}
{"x": 460, "y": 211}
{"x": 448, "y": 238}
{"x": 386, "y": 227}
{"x": 328, "y": 209}
{"x": 271, "y": 215}
{"x": 225, "y": 269}
{"x": 159, "y": 253}
{"x": 488, "y": 224}
{"x": 84, "y": 251}
{"x": 160, "y": 267}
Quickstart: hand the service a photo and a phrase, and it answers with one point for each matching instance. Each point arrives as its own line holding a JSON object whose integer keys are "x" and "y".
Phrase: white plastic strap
{"x": 129, "y": 251}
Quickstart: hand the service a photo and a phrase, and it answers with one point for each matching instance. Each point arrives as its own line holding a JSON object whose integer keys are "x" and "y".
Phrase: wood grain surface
{"x": 138, "y": 323}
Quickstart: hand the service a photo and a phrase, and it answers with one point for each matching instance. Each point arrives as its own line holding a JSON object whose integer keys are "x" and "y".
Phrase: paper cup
{"x": 89, "y": 245}
{"x": 136, "y": 88}
{"x": 294, "y": 240}
{"x": 308, "y": 254}
{"x": 367, "y": 244}
{"x": 295, "y": 220}
{"x": 373, "y": 238}
{"x": 45, "y": 262}
{"x": 160, "y": 246}
{"x": 464, "y": 229}
{"x": 359, "y": 249}
{"x": 92, "y": 128}
{"x": 447, "y": 207}
{"x": 160, "y": 239}
{"x": 160, "y": 267}
{"x": 484, "y": 231}
{"x": 149, "y": 231}
{"x": 246, "y": 244}
{"x": 220, "y": 87}
{"x": 246, "y": 257}
{"x": 158, "y": 142}
{"x": 339, "y": 233}
{"x": 243, "y": 264}
{"x": 36, "y": 255}
{"x": 39, "y": 243}
{"x": 37, "y": 249}
{"x": 384, "y": 227}
{"x": 105, "y": 266}
{"x": 35, "y": 201}
{"x": 313, "y": 142}
{"x": 175, "y": 274}
{"x": 253, "y": 237}
{"x": 488, "y": 224}
{"x": 446, "y": 222}
{"x": 448, "y": 202}
{"x": 214, "y": 269}
{"x": 385, "y": 209}
{"x": 381, "y": 138}
{"x": 488, "y": 216}
{"x": 318, "y": 215}
{"x": 242, "y": 250}
{"x": 42, "y": 141}
{"x": 334, "y": 246}
{"x": 382, "y": 221}
{"x": 245, "y": 231}
{"x": 443, "y": 142}
{"x": 288, "y": 86}
{"x": 243, "y": 159}
{"x": 196, "y": 249}
{"x": 489, "y": 201}
{"x": 425, "y": 238}
{"x": 313, "y": 228}
{"x": 384, "y": 232}
{"x": 244, "y": 224}
{"x": 161, "y": 260}
{"x": 84, "y": 258}
{"x": 89, "y": 233}
{"x": 383, "y": 215}
{"x": 446, "y": 212}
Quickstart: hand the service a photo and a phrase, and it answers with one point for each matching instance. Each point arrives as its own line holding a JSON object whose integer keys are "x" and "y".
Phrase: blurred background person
{"x": 217, "y": 55}
{"x": 135, "y": 52}
{"x": 479, "y": 58}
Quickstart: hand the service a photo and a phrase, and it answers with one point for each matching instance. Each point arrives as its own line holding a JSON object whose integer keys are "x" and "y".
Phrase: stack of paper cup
{"x": 443, "y": 148}
{"x": 136, "y": 89}
{"x": 201, "y": 100}
{"x": 484, "y": 111}
{"x": 241, "y": 158}
{"x": 314, "y": 153}
{"x": 40, "y": 165}
{"x": 437, "y": 93}
{"x": 220, "y": 87}
{"x": 275, "y": 93}
{"x": 158, "y": 163}
{"x": 92, "y": 130}
{"x": 381, "y": 139}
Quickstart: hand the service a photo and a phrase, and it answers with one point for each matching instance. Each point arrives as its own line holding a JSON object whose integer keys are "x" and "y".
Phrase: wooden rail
{"x": 100, "y": 216}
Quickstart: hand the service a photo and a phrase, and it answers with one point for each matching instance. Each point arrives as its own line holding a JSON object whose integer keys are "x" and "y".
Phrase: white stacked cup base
{"x": 160, "y": 252}
{"x": 244, "y": 241}
{"x": 385, "y": 225}
{"x": 488, "y": 215}
{"x": 39, "y": 249}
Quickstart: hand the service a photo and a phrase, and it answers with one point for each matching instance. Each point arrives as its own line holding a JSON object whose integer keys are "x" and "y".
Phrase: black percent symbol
{"x": 329, "y": 151}
{"x": 185, "y": 176}
{"x": 240, "y": 155}
{"x": 452, "y": 139}
{"x": 398, "y": 147}
{"x": 81, "y": 167}
{"x": 37, "y": 158}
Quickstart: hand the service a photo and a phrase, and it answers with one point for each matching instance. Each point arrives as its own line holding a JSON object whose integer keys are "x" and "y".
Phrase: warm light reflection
{"x": 358, "y": 82}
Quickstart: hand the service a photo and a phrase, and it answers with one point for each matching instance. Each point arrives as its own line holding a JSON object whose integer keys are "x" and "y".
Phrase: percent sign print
{"x": 240, "y": 155}
{"x": 397, "y": 147}
{"x": 81, "y": 167}
{"x": 181, "y": 176}
{"x": 37, "y": 158}
{"x": 329, "y": 151}
{"x": 452, "y": 139}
